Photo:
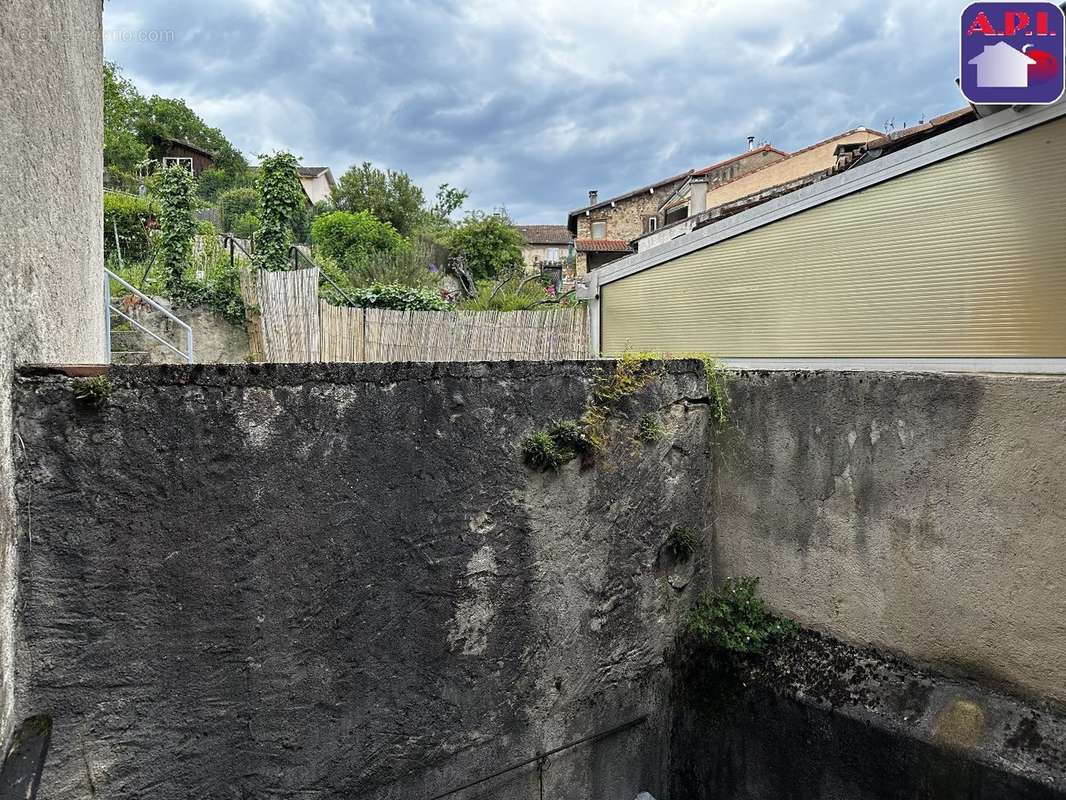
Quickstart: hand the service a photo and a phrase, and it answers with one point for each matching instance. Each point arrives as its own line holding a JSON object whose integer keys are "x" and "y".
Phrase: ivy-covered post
{"x": 177, "y": 188}
{"x": 281, "y": 198}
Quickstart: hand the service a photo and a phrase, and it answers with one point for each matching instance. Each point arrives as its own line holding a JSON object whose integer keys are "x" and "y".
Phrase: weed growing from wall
{"x": 560, "y": 443}
{"x": 92, "y": 392}
{"x": 541, "y": 452}
{"x": 649, "y": 429}
{"x": 588, "y": 435}
{"x": 682, "y": 543}
{"x": 735, "y": 620}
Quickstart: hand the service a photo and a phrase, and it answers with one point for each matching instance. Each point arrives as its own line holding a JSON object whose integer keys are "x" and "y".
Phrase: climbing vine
{"x": 280, "y": 199}
{"x": 177, "y": 227}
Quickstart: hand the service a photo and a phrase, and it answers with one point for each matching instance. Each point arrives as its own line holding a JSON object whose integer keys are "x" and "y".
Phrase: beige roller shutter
{"x": 963, "y": 258}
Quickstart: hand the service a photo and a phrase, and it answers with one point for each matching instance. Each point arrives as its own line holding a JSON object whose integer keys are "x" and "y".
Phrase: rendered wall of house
{"x": 317, "y": 189}
{"x": 51, "y": 250}
{"x": 813, "y": 159}
{"x": 532, "y": 254}
{"x": 920, "y": 513}
{"x": 963, "y": 258}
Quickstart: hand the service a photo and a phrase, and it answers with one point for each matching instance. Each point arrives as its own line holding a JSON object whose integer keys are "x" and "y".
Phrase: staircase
{"x": 141, "y": 331}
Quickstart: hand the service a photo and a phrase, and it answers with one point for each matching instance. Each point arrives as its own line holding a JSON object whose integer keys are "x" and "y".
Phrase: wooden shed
{"x": 194, "y": 157}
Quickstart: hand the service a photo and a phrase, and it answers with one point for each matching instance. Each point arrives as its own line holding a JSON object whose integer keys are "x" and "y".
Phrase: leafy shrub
{"x": 212, "y": 182}
{"x": 134, "y": 217}
{"x": 234, "y": 205}
{"x": 246, "y": 226}
{"x": 177, "y": 226}
{"x": 735, "y": 620}
{"x": 398, "y": 298}
{"x": 540, "y": 451}
{"x": 351, "y": 238}
{"x": 281, "y": 200}
{"x": 410, "y": 266}
{"x": 488, "y": 244}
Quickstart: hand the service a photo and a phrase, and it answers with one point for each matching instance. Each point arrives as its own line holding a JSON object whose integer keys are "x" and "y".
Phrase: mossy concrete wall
{"x": 51, "y": 223}
{"x": 923, "y": 514}
{"x": 342, "y": 581}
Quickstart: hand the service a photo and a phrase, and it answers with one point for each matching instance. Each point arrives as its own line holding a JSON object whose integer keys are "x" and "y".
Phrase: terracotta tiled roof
{"x": 545, "y": 234}
{"x": 603, "y": 246}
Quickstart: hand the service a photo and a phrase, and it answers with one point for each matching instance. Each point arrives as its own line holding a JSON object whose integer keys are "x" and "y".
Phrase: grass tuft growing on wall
{"x": 92, "y": 392}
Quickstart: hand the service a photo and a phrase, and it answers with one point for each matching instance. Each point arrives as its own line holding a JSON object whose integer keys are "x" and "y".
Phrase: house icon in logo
{"x": 1000, "y": 66}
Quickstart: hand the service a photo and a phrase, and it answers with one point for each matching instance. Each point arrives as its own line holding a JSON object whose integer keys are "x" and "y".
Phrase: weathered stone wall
{"x": 624, "y": 221}
{"x": 319, "y": 581}
{"x": 51, "y": 249}
{"x": 215, "y": 340}
{"x": 920, "y": 513}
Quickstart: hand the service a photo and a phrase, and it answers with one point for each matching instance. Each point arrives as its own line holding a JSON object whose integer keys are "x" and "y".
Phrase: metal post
{"x": 107, "y": 318}
{"x": 188, "y": 343}
{"x": 118, "y": 244}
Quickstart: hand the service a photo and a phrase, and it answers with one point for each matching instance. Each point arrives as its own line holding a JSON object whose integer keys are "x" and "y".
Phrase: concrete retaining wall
{"x": 923, "y": 514}
{"x": 271, "y": 581}
{"x": 51, "y": 208}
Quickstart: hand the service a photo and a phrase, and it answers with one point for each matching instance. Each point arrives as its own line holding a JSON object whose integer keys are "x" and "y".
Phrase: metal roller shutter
{"x": 963, "y": 258}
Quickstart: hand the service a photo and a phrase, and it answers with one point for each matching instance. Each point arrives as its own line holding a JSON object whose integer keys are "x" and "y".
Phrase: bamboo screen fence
{"x": 294, "y": 325}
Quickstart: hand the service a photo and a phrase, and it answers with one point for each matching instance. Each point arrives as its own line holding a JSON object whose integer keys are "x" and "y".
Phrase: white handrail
{"x": 108, "y": 274}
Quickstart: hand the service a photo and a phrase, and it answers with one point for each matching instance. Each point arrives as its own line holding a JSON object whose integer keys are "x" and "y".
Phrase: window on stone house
{"x": 651, "y": 225}
{"x": 599, "y": 230}
{"x": 675, "y": 215}
{"x": 553, "y": 254}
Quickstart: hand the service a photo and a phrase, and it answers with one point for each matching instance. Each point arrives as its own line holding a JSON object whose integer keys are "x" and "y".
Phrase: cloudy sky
{"x": 530, "y": 103}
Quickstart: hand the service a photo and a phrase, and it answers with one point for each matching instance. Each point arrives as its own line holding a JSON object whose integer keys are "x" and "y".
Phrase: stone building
{"x": 774, "y": 173}
{"x": 545, "y": 244}
{"x": 604, "y": 230}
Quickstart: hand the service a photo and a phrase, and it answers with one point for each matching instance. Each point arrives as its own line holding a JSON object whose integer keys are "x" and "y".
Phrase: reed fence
{"x": 294, "y": 325}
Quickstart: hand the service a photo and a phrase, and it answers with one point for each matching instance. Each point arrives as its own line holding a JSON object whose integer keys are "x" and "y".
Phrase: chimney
{"x": 593, "y": 197}
{"x": 697, "y": 199}
{"x": 751, "y": 143}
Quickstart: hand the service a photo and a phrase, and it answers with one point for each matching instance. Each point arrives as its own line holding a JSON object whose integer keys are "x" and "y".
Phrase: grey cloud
{"x": 420, "y": 87}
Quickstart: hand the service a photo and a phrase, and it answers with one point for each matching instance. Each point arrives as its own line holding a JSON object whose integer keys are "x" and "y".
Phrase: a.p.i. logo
{"x": 1012, "y": 53}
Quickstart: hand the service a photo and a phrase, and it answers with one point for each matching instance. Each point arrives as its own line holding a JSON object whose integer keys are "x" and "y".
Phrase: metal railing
{"x": 541, "y": 759}
{"x": 110, "y": 308}
{"x": 297, "y": 253}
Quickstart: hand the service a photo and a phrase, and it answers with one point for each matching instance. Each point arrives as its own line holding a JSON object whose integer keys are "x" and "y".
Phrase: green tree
{"x": 234, "y": 204}
{"x": 281, "y": 200}
{"x": 390, "y": 196}
{"x": 124, "y": 152}
{"x": 488, "y": 243}
{"x": 349, "y": 238}
{"x": 176, "y": 187}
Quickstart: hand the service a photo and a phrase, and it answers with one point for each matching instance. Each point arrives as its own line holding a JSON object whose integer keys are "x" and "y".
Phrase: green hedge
{"x": 134, "y": 217}
{"x": 235, "y": 204}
